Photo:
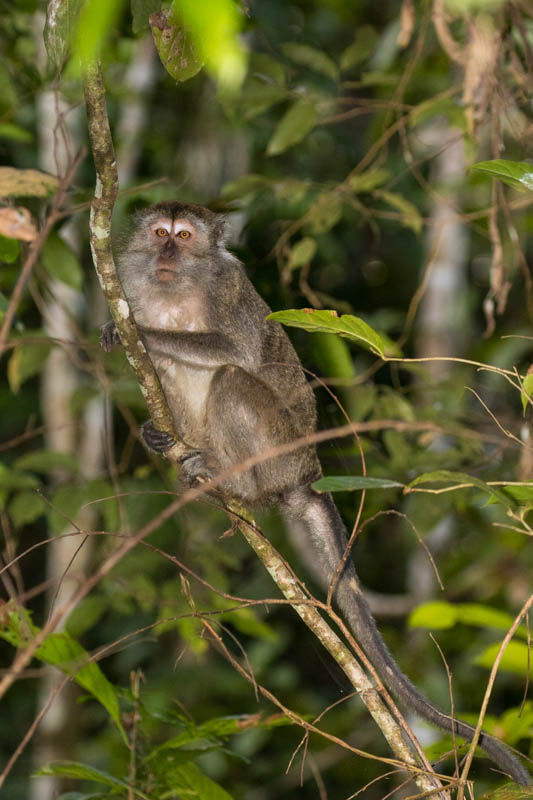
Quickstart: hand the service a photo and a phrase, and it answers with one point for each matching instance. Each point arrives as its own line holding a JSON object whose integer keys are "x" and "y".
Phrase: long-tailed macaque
{"x": 236, "y": 388}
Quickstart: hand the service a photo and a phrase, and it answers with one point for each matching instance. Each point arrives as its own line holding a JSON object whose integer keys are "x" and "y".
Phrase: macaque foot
{"x": 109, "y": 336}
{"x": 158, "y": 441}
{"x": 193, "y": 468}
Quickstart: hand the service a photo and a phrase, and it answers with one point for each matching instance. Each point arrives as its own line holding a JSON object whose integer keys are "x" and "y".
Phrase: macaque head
{"x": 170, "y": 243}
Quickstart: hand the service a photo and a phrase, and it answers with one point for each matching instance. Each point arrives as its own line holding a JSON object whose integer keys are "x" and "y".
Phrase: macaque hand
{"x": 109, "y": 336}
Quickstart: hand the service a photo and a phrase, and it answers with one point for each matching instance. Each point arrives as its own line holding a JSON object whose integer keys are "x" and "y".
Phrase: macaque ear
{"x": 219, "y": 229}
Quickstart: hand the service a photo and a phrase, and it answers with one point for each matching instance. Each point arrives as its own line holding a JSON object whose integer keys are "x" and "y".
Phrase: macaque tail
{"x": 319, "y": 515}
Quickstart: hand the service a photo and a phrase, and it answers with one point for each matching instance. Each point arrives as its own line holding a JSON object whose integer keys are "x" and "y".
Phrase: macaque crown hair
{"x": 215, "y": 223}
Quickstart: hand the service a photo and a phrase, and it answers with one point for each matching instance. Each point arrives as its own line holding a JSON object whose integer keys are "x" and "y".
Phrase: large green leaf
{"x": 26, "y": 507}
{"x": 187, "y": 780}
{"x": 441, "y": 615}
{"x": 518, "y": 174}
{"x": 9, "y": 249}
{"x": 293, "y": 126}
{"x": 61, "y": 650}
{"x": 46, "y": 461}
{"x": 329, "y": 322}
{"x": 176, "y": 45}
{"x": 350, "y": 483}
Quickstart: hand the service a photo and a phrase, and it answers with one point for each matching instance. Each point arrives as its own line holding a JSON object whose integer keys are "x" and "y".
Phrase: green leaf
{"x": 510, "y": 791}
{"x": 61, "y": 22}
{"x": 97, "y": 22}
{"x": 302, "y": 253}
{"x": 46, "y": 461}
{"x": 176, "y": 45}
{"x": 447, "y": 477}
{"x": 410, "y": 215}
{"x": 440, "y": 615}
{"x": 26, "y": 507}
{"x": 9, "y": 249}
{"x": 437, "y": 106}
{"x": 328, "y": 322}
{"x": 325, "y": 212}
{"x": 435, "y": 616}
{"x": 515, "y": 658}
{"x": 26, "y": 183}
{"x": 518, "y": 174}
{"x": 14, "y": 132}
{"x": 369, "y": 180}
{"x": 245, "y": 186}
{"x": 141, "y": 10}
{"x": 60, "y": 262}
{"x": 527, "y": 386}
{"x": 73, "y": 769}
{"x": 293, "y": 126}
{"x": 26, "y": 360}
{"x": 363, "y": 44}
{"x": 350, "y": 483}
{"x": 187, "y": 779}
{"x": 61, "y": 650}
{"x": 308, "y": 56}
{"x": 86, "y": 615}
{"x": 11, "y": 479}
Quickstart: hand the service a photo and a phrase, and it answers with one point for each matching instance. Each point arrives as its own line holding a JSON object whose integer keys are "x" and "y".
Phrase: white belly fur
{"x": 186, "y": 388}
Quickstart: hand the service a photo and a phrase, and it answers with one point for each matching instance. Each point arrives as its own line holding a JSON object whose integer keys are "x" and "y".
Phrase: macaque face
{"x": 175, "y": 242}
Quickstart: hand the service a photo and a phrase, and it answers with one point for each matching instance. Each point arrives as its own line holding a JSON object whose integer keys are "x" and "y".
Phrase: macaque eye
{"x": 161, "y": 232}
{"x": 184, "y": 234}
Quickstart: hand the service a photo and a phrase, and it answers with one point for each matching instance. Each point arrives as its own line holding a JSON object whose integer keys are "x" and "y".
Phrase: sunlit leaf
{"x": 435, "y": 616}
{"x": 244, "y": 186}
{"x": 293, "y": 126}
{"x": 8, "y": 130}
{"x": 516, "y": 658}
{"x": 96, "y": 24}
{"x": 190, "y": 34}
{"x": 26, "y": 183}
{"x": 527, "y": 386}
{"x": 308, "y": 56}
{"x": 302, "y": 253}
{"x": 328, "y": 322}
{"x": 350, "y": 483}
{"x": 176, "y": 45}
{"x": 518, "y": 174}
{"x": 410, "y": 215}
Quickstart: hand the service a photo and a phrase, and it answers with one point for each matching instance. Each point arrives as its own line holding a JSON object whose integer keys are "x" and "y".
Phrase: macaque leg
{"x": 248, "y": 419}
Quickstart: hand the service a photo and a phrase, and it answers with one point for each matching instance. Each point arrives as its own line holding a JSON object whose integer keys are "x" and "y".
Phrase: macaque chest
{"x": 186, "y": 388}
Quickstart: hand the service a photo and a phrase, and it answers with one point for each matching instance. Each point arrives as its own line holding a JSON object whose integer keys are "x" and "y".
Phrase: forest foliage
{"x": 372, "y": 160}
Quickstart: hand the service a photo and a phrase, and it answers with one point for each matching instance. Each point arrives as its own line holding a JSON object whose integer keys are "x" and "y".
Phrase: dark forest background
{"x": 339, "y": 137}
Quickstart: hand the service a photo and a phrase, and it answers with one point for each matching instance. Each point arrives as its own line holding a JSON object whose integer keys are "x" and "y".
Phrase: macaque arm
{"x": 202, "y": 348}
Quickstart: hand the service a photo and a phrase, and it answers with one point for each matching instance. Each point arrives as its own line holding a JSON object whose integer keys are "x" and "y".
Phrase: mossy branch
{"x": 100, "y": 235}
